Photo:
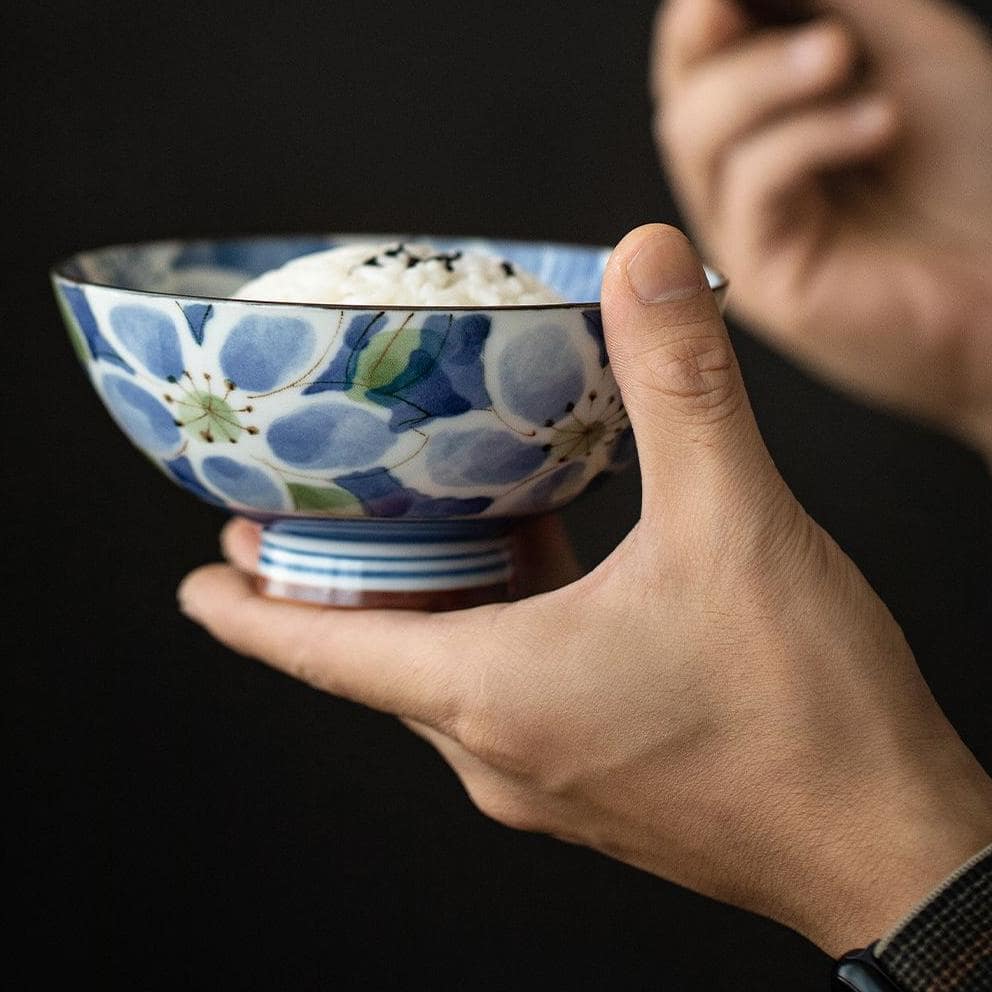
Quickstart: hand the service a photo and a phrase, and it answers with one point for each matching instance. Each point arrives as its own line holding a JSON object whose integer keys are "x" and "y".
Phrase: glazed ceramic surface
{"x": 313, "y": 412}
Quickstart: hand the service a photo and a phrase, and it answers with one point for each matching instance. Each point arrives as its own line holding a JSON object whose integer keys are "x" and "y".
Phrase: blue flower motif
{"x": 140, "y": 415}
{"x": 329, "y": 436}
{"x": 98, "y": 345}
{"x": 383, "y": 495}
{"x": 541, "y": 374}
{"x": 418, "y": 373}
{"x": 260, "y": 352}
{"x": 341, "y": 373}
{"x": 182, "y": 471}
{"x": 151, "y": 337}
{"x": 197, "y": 315}
{"x": 242, "y": 483}
{"x": 481, "y": 456}
{"x": 594, "y": 325}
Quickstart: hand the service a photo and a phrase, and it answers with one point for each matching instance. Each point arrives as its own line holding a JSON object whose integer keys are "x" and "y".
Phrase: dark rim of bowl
{"x": 59, "y": 270}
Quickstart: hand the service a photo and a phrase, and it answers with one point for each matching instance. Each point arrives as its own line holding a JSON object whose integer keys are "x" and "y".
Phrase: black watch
{"x": 859, "y": 971}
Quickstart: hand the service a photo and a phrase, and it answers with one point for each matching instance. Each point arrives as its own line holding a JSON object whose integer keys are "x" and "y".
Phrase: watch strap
{"x": 859, "y": 971}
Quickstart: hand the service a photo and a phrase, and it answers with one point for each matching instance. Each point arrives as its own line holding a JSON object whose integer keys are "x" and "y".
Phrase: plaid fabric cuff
{"x": 946, "y": 944}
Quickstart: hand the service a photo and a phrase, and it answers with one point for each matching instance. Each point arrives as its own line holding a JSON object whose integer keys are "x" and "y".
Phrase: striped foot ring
{"x": 415, "y": 565}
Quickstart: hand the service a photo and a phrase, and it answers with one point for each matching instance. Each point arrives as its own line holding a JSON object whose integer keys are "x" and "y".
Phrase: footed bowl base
{"x": 417, "y": 565}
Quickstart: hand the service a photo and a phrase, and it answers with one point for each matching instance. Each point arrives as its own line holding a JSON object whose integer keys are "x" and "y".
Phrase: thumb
{"x": 676, "y": 369}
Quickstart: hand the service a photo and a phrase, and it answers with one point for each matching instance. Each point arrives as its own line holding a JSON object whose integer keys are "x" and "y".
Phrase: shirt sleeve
{"x": 945, "y": 944}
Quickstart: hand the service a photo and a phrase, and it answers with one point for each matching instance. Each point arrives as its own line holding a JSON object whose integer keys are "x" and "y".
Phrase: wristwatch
{"x": 944, "y": 943}
{"x": 859, "y": 971}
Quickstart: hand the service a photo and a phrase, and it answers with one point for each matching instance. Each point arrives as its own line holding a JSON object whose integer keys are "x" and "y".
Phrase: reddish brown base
{"x": 433, "y": 601}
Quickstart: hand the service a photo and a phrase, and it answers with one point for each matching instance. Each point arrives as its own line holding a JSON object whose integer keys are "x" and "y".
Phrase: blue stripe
{"x": 346, "y": 573}
{"x": 393, "y": 532}
{"x": 270, "y": 545}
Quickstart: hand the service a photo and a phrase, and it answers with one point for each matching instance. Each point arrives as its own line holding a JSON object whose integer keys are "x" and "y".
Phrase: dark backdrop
{"x": 187, "y": 819}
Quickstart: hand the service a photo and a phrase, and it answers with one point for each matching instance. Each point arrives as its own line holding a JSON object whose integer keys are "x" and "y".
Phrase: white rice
{"x": 398, "y": 275}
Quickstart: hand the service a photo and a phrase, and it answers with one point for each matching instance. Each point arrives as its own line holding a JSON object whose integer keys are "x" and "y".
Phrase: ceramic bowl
{"x": 387, "y": 450}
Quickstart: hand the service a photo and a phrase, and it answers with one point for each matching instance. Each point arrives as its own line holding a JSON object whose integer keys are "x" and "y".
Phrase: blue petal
{"x": 479, "y": 456}
{"x": 182, "y": 471}
{"x": 197, "y": 315}
{"x": 140, "y": 415}
{"x": 540, "y": 375}
{"x": 445, "y": 376}
{"x": 261, "y": 352}
{"x": 99, "y": 346}
{"x": 339, "y": 375}
{"x": 329, "y": 436}
{"x": 151, "y": 337}
{"x": 243, "y": 484}
{"x": 594, "y": 325}
{"x": 383, "y": 495}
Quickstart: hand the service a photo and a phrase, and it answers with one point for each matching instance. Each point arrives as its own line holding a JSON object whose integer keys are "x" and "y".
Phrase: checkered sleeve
{"x": 946, "y": 944}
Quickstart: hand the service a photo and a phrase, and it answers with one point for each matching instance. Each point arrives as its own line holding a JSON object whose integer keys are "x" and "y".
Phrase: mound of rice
{"x": 398, "y": 275}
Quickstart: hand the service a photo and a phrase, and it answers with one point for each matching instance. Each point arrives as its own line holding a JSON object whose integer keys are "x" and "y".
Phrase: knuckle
{"x": 699, "y": 372}
{"x": 498, "y": 803}
{"x": 498, "y": 716}
{"x": 503, "y": 744}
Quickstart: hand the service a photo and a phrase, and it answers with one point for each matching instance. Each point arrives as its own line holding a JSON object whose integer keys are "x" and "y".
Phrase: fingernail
{"x": 665, "y": 268}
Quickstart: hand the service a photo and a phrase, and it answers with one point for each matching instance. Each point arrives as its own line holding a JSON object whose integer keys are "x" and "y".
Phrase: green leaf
{"x": 386, "y": 356}
{"x": 331, "y": 500}
{"x": 75, "y": 334}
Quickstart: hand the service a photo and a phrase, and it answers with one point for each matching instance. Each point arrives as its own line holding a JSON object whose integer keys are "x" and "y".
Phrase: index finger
{"x": 417, "y": 665}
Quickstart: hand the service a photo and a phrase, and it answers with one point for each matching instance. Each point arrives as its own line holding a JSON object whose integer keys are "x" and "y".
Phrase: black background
{"x": 183, "y": 818}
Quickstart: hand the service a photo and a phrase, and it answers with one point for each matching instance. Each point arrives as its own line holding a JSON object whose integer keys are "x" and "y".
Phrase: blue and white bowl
{"x": 388, "y": 450}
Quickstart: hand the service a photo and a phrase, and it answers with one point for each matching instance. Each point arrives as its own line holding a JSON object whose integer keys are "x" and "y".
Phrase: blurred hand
{"x": 724, "y": 702}
{"x": 853, "y": 215}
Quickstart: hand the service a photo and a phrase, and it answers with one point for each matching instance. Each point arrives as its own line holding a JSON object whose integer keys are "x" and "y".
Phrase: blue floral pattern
{"x": 261, "y": 352}
{"x": 483, "y": 456}
{"x": 416, "y": 372}
{"x": 535, "y": 397}
{"x": 150, "y": 336}
{"x": 316, "y": 412}
{"x": 245, "y": 485}
{"x": 329, "y": 435}
{"x": 383, "y": 495}
{"x": 145, "y": 421}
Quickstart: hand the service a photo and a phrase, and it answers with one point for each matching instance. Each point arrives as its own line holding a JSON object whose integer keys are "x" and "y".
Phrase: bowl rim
{"x": 58, "y": 270}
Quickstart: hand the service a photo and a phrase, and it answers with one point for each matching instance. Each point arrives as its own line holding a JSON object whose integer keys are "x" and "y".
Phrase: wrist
{"x": 893, "y": 854}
